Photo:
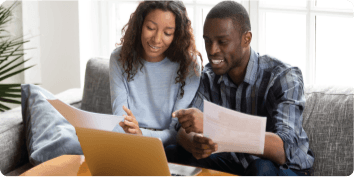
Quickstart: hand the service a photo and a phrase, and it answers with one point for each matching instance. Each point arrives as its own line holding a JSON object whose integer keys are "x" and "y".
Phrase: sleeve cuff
{"x": 287, "y": 147}
{"x": 145, "y": 132}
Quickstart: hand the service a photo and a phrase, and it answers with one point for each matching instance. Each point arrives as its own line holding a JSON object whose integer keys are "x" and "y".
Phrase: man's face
{"x": 222, "y": 44}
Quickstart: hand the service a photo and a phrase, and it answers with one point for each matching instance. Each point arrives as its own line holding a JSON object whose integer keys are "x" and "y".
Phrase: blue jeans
{"x": 225, "y": 162}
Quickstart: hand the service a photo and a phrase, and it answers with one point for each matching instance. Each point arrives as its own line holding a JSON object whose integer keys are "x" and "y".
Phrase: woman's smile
{"x": 157, "y": 34}
{"x": 154, "y": 47}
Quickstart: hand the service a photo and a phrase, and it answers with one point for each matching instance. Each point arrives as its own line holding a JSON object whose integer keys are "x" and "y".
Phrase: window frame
{"x": 257, "y": 11}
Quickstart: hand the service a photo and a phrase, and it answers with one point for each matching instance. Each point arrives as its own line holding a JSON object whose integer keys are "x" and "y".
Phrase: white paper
{"x": 233, "y": 131}
{"x": 84, "y": 119}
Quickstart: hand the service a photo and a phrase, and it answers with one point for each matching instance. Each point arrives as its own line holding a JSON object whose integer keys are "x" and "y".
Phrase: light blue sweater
{"x": 152, "y": 95}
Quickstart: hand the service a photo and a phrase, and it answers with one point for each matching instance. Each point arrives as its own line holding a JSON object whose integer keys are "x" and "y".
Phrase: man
{"x": 239, "y": 79}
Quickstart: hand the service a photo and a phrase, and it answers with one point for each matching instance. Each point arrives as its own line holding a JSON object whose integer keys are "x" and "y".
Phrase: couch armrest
{"x": 71, "y": 96}
{"x": 13, "y": 153}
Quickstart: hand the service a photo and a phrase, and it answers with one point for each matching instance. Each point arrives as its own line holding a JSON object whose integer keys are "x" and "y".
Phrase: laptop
{"x": 116, "y": 154}
{"x": 120, "y": 154}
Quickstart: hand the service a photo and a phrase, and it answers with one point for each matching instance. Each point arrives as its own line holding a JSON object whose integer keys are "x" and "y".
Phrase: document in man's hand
{"x": 84, "y": 119}
{"x": 233, "y": 131}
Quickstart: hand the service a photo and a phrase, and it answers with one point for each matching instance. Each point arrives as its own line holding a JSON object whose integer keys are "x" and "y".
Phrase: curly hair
{"x": 182, "y": 49}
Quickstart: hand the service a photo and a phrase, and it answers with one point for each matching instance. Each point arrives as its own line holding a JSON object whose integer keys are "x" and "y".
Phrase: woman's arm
{"x": 118, "y": 87}
{"x": 167, "y": 136}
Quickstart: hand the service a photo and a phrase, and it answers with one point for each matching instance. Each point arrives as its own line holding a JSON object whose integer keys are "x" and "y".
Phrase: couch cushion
{"x": 328, "y": 122}
{"x": 48, "y": 133}
{"x": 13, "y": 150}
{"x": 97, "y": 96}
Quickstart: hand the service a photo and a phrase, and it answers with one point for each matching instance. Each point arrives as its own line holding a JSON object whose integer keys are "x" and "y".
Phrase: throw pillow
{"x": 48, "y": 133}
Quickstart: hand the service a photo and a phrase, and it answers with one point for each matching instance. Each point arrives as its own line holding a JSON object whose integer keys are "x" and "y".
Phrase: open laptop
{"x": 113, "y": 153}
{"x": 119, "y": 154}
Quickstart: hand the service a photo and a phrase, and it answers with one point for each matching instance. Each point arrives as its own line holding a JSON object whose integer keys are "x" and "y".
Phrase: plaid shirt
{"x": 271, "y": 89}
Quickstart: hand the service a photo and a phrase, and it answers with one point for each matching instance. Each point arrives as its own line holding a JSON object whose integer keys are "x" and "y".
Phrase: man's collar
{"x": 252, "y": 68}
{"x": 251, "y": 71}
{"x": 228, "y": 82}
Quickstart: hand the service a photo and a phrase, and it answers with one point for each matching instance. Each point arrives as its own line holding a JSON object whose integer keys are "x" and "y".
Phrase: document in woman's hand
{"x": 84, "y": 119}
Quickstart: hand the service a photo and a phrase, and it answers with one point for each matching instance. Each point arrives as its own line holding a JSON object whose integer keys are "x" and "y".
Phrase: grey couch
{"x": 328, "y": 121}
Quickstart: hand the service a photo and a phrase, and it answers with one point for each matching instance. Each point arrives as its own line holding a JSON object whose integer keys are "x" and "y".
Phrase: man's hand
{"x": 191, "y": 119}
{"x": 202, "y": 147}
{"x": 130, "y": 124}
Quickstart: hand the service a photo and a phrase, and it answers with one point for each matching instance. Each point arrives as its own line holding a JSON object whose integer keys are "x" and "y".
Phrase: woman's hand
{"x": 130, "y": 125}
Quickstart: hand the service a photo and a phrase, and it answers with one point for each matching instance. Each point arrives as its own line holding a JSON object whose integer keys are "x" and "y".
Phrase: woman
{"x": 155, "y": 71}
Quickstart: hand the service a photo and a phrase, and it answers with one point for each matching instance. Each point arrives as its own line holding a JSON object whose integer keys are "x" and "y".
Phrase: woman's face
{"x": 157, "y": 34}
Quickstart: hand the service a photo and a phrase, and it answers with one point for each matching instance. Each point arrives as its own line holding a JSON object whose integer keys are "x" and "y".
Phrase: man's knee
{"x": 262, "y": 167}
{"x": 170, "y": 151}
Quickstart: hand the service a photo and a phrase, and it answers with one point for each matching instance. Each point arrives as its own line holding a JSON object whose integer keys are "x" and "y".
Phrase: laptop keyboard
{"x": 174, "y": 174}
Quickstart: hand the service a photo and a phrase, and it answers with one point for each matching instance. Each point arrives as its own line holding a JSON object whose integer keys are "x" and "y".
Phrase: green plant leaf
{"x": 12, "y": 53}
{"x": 10, "y": 49}
{"x": 6, "y": 90}
{"x": 14, "y": 73}
{"x": 9, "y": 85}
{"x": 7, "y": 56}
{"x": 7, "y": 100}
{"x": 8, "y": 44}
{"x": 10, "y": 63}
{"x": 3, "y": 108}
{"x": 8, "y": 95}
{"x": 15, "y": 43}
{"x": 3, "y": 47}
{"x": 11, "y": 68}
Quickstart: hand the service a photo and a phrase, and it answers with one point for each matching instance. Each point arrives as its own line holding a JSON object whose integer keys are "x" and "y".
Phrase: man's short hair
{"x": 233, "y": 10}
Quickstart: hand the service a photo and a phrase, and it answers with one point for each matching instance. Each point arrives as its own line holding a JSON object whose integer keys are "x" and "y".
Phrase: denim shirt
{"x": 270, "y": 89}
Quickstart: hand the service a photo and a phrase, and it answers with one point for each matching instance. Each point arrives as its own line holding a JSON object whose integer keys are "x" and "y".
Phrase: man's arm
{"x": 285, "y": 105}
{"x": 273, "y": 145}
{"x": 273, "y": 148}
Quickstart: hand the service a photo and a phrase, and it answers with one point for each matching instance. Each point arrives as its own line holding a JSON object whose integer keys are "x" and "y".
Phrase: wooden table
{"x": 75, "y": 165}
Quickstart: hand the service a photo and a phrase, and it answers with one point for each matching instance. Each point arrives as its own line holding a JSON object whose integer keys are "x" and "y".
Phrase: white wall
{"x": 59, "y": 45}
{"x": 31, "y": 31}
{"x": 53, "y": 30}
{"x": 88, "y": 26}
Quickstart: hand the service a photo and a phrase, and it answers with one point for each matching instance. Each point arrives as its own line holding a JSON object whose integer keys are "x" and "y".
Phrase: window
{"x": 314, "y": 35}
{"x": 317, "y": 36}
{"x": 114, "y": 14}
